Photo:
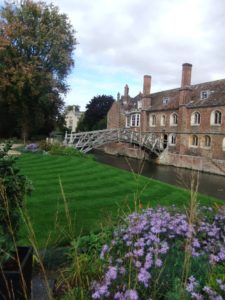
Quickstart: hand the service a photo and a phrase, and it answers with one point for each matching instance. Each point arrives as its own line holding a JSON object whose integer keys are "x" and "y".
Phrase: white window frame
{"x": 204, "y": 95}
{"x": 152, "y": 120}
{"x": 139, "y": 104}
{"x": 135, "y": 120}
{"x": 194, "y": 141}
{"x": 195, "y": 118}
{"x": 172, "y": 139}
{"x": 173, "y": 119}
{"x": 216, "y": 118}
{"x": 223, "y": 144}
{"x": 128, "y": 121}
{"x": 207, "y": 141}
{"x": 163, "y": 120}
{"x": 166, "y": 100}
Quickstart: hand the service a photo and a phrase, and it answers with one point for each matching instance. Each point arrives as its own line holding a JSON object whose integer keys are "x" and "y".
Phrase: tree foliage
{"x": 36, "y": 46}
{"x": 95, "y": 117}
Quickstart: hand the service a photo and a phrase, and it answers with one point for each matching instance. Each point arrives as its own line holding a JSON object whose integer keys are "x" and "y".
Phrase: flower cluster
{"x": 140, "y": 251}
{"x": 206, "y": 292}
{"x": 32, "y": 147}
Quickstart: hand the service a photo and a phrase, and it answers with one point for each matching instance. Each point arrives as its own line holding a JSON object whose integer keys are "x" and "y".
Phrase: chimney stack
{"x": 186, "y": 75}
{"x": 147, "y": 85}
{"x": 126, "y": 91}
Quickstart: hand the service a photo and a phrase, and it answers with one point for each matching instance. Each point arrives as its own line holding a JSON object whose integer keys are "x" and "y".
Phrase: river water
{"x": 209, "y": 184}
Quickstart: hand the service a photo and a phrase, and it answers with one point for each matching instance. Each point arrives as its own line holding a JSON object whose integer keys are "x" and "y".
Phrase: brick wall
{"x": 113, "y": 116}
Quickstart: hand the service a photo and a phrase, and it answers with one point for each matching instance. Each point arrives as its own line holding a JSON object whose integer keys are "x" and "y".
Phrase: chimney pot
{"x": 147, "y": 85}
{"x": 126, "y": 91}
{"x": 186, "y": 75}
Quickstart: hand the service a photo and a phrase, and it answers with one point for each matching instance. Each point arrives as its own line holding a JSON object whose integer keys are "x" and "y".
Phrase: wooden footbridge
{"x": 86, "y": 141}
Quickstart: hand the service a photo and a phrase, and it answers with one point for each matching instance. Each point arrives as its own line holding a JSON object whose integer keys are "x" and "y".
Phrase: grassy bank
{"x": 95, "y": 194}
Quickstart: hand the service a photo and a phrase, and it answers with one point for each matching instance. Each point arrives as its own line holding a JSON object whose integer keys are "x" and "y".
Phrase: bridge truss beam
{"x": 86, "y": 141}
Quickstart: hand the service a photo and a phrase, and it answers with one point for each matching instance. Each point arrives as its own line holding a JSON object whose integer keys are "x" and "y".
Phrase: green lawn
{"x": 95, "y": 193}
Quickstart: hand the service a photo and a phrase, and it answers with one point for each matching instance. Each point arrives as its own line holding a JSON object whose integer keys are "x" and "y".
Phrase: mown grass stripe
{"x": 95, "y": 192}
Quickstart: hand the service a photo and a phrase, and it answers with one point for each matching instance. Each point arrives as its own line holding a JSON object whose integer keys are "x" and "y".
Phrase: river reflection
{"x": 209, "y": 184}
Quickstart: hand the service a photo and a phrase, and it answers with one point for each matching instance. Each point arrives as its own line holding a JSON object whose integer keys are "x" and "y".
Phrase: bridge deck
{"x": 86, "y": 141}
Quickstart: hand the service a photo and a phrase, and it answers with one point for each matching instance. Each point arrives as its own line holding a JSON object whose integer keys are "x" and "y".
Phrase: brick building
{"x": 190, "y": 121}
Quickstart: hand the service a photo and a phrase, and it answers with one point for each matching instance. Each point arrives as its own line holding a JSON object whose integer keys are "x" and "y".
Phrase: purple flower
{"x": 197, "y": 296}
{"x": 111, "y": 274}
{"x": 122, "y": 270}
{"x": 105, "y": 248}
{"x": 137, "y": 264}
{"x": 144, "y": 276}
{"x": 192, "y": 284}
{"x": 221, "y": 284}
{"x": 118, "y": 296}
{"x": 145, "y": 240}
{"x": 139, "y": 252}
{"x": 32, "y": 147}
{"x": 158, "y": 262}
{"x": 131, "y": 295}
{"x": 101, "y": 290}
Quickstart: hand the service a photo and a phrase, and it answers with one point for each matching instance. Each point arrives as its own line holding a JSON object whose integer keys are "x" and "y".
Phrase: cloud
{"x": 121, "y": 40}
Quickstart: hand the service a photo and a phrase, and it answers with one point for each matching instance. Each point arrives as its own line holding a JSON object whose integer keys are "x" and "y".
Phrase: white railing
{"x": 86, "y": 141}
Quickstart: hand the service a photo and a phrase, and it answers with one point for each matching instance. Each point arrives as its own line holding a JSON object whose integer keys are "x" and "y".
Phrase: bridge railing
{"x": 85, "y": 141}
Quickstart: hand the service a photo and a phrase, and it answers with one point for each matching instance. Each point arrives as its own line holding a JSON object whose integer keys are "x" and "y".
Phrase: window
{"x": 134, "y": 120}
{"x": 207, "y": 141}
{"x": 195, "y": 118}
{"x": 139, "y": 104}
{"x": 173, "y": 119}
{"x": 204, "y": 95}
{"x": 216, "y": 117}
{"x": 194, "y": 141}
{"x": 137, "y": 120}
{"x": 70, "y": 122}
{"x": 152, "y": 120}
{"x": 172, "y": 139}
{"x": 163, "y": 120}
{"x": 127, "y": 121}
{"x": 223, "y": 145}
{"x": 166, "y": 100}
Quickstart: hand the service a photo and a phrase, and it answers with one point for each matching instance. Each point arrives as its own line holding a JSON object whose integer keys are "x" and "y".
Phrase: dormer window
{"x": 166, "y": 100}
{"x": 204, "y": 95}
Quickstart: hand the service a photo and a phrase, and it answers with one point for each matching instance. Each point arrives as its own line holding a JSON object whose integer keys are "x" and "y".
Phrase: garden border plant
{"x": 146, "y": 257}
{"x": 13, "y": 188}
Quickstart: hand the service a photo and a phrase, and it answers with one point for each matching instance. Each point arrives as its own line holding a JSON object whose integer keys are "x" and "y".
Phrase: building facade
{"x": 72, "y": 118}
{"x": 190, "y": 121}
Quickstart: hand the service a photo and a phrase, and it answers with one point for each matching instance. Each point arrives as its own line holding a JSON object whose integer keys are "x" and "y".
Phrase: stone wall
{"x": 204, "y": 164}
{"x": 125, "y": 150}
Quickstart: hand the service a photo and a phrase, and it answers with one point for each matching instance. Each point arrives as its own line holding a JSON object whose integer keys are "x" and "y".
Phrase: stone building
{"x": 190, "y": 121}
{"x": 72, "y": 117}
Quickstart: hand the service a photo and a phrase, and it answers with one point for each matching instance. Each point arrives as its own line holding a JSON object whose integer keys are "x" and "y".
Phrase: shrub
{"x": 45, "y": 146}
{"x": 145, "y": 258}
{"x": 13, "y": 187}
{"x": 58, "y": 149}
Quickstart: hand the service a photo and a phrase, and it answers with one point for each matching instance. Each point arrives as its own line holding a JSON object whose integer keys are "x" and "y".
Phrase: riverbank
{"x": 209, "y": 184}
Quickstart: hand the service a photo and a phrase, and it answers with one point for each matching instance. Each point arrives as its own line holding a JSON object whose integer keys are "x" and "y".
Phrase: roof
{"x": 216, "y": 96}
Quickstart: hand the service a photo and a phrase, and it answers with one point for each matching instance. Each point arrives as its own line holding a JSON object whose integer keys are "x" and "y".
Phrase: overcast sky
{"x": 119, "y": 41}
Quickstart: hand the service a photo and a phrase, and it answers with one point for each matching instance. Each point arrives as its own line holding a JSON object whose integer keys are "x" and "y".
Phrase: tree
{"x": 36, "y": 49}
{"x": 96, "y": 112}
